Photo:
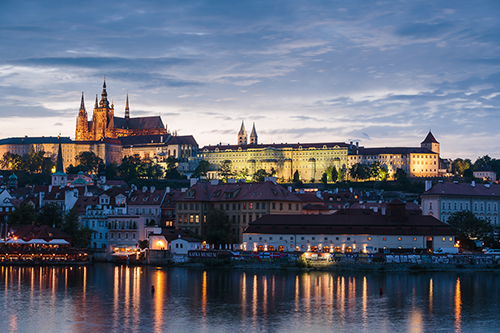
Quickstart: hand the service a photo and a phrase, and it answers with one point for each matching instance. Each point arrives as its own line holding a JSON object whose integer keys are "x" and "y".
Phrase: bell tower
{"x": 242, "y": 135}
{"x": 103, "y": 118}
{"x": 82, "y": 124}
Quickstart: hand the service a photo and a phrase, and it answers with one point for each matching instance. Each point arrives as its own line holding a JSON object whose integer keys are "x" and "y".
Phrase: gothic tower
{"x": 253, "y": 136}
{"x": 82, "y": 124}
{"x": 127, "y": 110}
{"x": 242, "y": 135}
{"x": 103, "y": 118}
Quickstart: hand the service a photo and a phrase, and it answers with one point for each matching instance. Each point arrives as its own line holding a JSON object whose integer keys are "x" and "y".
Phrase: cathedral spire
{"x": 127, "y": 110}
{"x": 82, "y": 104}
{"x": 242, "y": 135}
{"x": 104, "y": 103}
{"x": 95, "y": 105}
{"x": 59, "y": 164}
{"x": 253, "y": 136}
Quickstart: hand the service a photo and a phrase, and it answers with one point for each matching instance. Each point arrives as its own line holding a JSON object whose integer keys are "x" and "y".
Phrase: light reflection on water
{"x": 103, "y": 298}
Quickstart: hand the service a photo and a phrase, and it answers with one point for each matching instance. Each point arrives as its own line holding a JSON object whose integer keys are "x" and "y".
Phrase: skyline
{"x": 383, "y": 74}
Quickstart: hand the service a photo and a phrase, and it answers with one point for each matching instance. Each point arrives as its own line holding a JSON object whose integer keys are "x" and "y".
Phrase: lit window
{"x": 369, "y": 238}
{"x": 444, "y": 239}
{"x": 384, "y": 239}
{"x": 414, "y": 238}
{"x": 399, "y": 238}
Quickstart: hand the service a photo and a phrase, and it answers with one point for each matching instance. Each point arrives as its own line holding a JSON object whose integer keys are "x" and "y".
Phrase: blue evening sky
{"x": 379, "y": 72}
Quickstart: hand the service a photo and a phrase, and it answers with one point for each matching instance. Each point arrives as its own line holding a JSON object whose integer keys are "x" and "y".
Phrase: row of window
{"x": 466, "y": 205}
{"x": 100, "y": 235}
{"x": 450, "y": 239}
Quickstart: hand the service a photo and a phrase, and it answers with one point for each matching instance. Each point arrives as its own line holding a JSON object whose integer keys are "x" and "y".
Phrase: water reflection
{"x": 105, "y": 298}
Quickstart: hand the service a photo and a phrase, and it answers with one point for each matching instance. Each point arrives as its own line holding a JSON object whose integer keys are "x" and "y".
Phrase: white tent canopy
{"x": 37, "y": 241}
{"x": 15, "y": 241}
{"x": 58, "y": 242}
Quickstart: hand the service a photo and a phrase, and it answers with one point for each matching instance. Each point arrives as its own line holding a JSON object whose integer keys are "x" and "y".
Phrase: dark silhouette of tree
{"x": 89, "y": 161}
{"x": 466, "y": 226}
{"x": 25, "y": 214}
{"x": 225, "y": 170}
{"x": 218, "y": 228}
{"x": 50, "y": 214}
{"x": 260, "y": 175}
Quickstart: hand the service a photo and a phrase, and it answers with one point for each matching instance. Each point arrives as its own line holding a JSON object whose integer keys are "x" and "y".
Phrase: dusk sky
{"x": 379, "y": 72}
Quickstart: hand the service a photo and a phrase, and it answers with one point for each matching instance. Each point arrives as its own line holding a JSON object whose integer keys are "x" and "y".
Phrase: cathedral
{"x": 104, "y": 124}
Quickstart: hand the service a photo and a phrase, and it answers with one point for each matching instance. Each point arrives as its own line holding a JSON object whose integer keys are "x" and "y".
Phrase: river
{"x": 109, "y": 298}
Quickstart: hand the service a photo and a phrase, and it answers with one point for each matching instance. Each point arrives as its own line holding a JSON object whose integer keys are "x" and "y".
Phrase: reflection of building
{"x": 444, "y": 199}
{"x": 420, "y": 161}
{"x": 104, "y": 124}
{"x": 242, "y": 202}
{"x": 310, "y": 159}
{"x": 349, "y": 230}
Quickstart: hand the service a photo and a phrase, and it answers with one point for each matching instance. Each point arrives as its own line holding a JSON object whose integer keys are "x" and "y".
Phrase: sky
{"x": 381, "y": 73}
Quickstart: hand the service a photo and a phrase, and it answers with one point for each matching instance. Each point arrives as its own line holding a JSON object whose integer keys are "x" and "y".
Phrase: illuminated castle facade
{"x": 104, "y": 124}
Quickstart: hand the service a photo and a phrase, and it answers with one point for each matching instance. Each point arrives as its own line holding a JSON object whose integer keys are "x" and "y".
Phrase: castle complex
{"x": 104, "y": 124}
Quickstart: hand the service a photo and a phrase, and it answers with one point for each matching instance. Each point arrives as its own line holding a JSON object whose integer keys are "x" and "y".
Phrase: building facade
{"x": 348, "y": 231}
{"x": 444, "y": 199}
{"x": 423, "y": 161}
{"x": 242, "y": 202}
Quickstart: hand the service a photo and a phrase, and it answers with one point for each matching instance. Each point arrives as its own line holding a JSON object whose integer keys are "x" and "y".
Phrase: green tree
{"x": 25, "y": 214}
{"x": 34, "y": 160}
{"x": 402, "y": 178}
{"x": 225, "y": 170}
{"x": 201, "y": 170}
{"x": 468, "y": 173}
{"x": 218, "y": 227}
{"x": 466, "y": 226}
{"x": 128, "y": 167}
{"x": 334, "y": 175}
{"x": 259, "y": 175}
{"x": 458, "y": 166}
{"x": 143, "y": 244}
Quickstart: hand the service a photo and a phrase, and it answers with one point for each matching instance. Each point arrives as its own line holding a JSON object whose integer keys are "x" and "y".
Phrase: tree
{"x": 218, "y": 227}
{"x": 25, "y": 214}
{"x": 89, "y": 161}
{"x": 466, "y": 226}
{"x": 128, "y": 167}
{"x": 458, "y": 166}
{"x": 201, "y": 170}
{"x": 402, "y": 178}
{"x": 259, "y": 175}
{"x": 334, "y": 174}
{"x": 324, "y": 179}
{"x": 143, "y": 244}
{"x": 50, "y": 215}
{"x": 80, "y": 236}
{"x": 35, "y": 160}
{"x": 296, "y": 179}
{"x": 468, "y": 173}
{"x": 171, "y": 163}
{"x": 225, "y": 170}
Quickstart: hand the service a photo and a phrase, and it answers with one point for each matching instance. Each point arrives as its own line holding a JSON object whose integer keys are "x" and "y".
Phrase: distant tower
{"x": 103, "y": 118}
{"x": 430, "y": 143}
{"x": 82, "y": 124}
{"x": 59, "y": 178}
{"x": 242, "y": 135}
{"x": 127, "y": 110}
{"x": 253, "y": 136}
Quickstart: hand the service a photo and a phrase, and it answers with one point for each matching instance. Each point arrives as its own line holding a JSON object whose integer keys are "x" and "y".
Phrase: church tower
{"x": 127, "y": 111}
{"x": 242, "y": 135}
{"x": 103, "y": 118}
{"x": 59, "y": 178}
{"x": 430, "y": 143}
{"x": 82, "y": 124}
{"x": 253, "y": 136}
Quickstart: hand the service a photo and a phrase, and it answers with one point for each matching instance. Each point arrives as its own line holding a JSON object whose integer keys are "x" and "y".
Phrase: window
{"x": 250, "y": 205}
{"x": 451, "y": 239}
{"x": 263, "y": 205}
{"x": 249, "y": 238}
{"x": 301, "y": 238}
{"x": 384, "y": 239}
{"x": 336, "y": 238}
{"x": 443, "y": 239}
{"x": 348, "y": 238}
{"x": 257, "y": 205}
{"x": 314, "y": 238}
{"x": 369, "y": 238}
{"x": 326, "y": 238}
{"x": 274, "y": 205}
{"x": 270, "y": 238}
{"x": 281, "y": 206}
{"x": 289, "y": 206}
{"x": 399, "y": 238}
{"x": 414, "y": 239}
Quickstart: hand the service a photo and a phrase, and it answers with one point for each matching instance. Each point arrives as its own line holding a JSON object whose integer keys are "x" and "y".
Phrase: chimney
{"x": 193, "y": 181}
{"x": 350, "y": 145}
{"x": 428, "y": 185}
{"x": 357, "y": 145}
{"x": 167, "y": 189}
{"x": 473, "y": 183}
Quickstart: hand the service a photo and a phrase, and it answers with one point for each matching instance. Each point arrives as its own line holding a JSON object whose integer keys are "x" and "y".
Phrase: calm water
{"x": 108, "y": 298}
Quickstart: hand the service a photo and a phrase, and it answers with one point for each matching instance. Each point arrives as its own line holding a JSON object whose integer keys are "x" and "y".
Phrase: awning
{"x": 37, "y": 241}
{"x": 58, "y": 242}
{"x": 15, "y": 241}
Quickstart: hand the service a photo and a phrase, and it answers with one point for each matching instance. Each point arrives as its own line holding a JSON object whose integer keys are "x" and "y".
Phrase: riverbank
{"x": 342, "y": 267}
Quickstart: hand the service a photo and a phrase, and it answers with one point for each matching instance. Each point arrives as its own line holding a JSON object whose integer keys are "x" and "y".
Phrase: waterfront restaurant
{"x": 350, "y": 231}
